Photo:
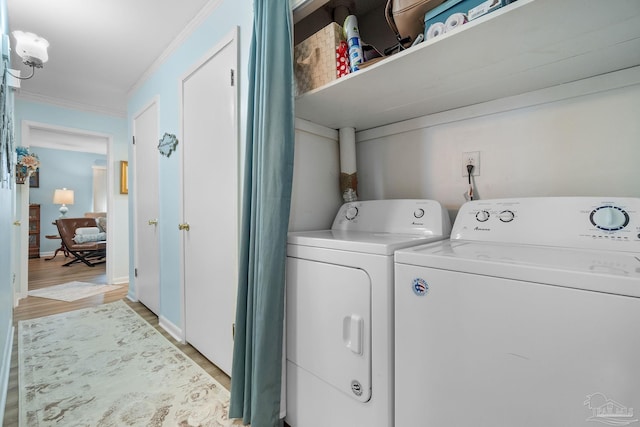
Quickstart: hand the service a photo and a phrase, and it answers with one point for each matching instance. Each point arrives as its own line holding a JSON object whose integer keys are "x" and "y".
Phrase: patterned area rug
{"x": 105, "y": 366}
{"x": 72, "y": 291}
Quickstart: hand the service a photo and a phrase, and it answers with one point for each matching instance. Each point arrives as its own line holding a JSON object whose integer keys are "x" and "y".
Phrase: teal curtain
{"x": 257, "y": 356}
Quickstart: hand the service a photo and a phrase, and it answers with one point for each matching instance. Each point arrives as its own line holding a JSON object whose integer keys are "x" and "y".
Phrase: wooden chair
{"x": 90, "y": 253}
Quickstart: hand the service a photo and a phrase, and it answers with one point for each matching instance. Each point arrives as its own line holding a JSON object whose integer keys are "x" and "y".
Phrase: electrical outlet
{"x": 471, "y": 158}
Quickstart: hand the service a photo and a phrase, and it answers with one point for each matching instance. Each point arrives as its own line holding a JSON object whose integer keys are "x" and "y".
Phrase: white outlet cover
{"x": 472, "y": 157}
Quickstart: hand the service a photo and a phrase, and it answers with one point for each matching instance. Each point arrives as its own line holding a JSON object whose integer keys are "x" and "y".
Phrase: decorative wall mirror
{"x": 167, "y": 144}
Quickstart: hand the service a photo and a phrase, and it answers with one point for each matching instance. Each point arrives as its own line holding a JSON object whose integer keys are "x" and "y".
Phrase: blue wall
{"x": 164, "y": 83}
{"x": 71, "y": 118}
{"x": 7, "y": 199}
{"x": 62, "y": 169}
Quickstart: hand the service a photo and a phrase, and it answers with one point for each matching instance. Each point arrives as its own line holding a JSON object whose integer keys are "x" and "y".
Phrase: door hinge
{"x": 233, "y": 77}
{"x": 233, "y": 331}
{"x": 135, "y": 272}
{"x": 134, "y": 140}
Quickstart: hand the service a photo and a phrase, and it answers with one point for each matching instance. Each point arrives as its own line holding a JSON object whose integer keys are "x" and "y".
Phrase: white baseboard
{"x": 5, "y": 368}
{"x": 16, "y": 298}
{"x": 171, "y": 329}
{"x": 131, "y": 297}
{"x": 120, "y": 280}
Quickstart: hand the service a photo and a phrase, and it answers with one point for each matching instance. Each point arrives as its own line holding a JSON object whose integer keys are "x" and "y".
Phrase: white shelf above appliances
{"x": 525, "y": 46}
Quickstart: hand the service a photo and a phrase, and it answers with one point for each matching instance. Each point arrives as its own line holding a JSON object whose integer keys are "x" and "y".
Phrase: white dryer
{"x": 528, "y": 316}
{"x": 340, "y": 311}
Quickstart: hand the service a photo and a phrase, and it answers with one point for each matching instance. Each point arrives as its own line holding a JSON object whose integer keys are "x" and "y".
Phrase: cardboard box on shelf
{"x": 315, "y": 58}
{"x": 472, "y": 8}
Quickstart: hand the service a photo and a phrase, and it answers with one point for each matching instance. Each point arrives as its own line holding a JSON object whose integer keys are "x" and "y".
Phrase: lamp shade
{"x": 63, "y": 197}
{"x": 31, "y": 48}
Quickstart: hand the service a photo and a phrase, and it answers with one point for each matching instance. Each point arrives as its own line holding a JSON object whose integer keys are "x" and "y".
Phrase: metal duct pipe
{"x": 340, "y": 13}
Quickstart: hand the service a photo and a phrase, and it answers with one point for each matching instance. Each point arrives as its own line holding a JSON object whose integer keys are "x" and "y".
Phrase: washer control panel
{"x": 575, "y": 222}
{"x": 609, "y": 218}
{"x": 506, "y": 215}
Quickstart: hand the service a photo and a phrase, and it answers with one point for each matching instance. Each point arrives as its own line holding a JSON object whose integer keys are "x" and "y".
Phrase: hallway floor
{"x": 44, "y": 273}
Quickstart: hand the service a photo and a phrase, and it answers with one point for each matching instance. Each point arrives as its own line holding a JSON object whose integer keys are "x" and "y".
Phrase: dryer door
{"x": 329, "y": 324}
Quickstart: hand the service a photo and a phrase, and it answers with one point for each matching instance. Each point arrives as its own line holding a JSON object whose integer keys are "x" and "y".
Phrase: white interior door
{"x": 210, "y": 190}
{"x": 147, "y": 267}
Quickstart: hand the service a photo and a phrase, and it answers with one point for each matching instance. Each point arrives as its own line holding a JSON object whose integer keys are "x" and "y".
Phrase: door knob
{"x": 153, "y": 222}
{"x": 18, "y": 223}
{"x": 184, "y": 226}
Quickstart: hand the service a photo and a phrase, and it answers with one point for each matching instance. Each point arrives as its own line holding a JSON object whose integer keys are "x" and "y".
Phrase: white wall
{"x": 576, "y": 139}
{"x": 585, "y": 145}
{"x": 315, "y": 195}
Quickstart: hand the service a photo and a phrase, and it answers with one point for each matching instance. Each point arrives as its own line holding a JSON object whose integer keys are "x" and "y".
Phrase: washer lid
{"x": 359, "y": 241}
{"x": 602, "y": 271}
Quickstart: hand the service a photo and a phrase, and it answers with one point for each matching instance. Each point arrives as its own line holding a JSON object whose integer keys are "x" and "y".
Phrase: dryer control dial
{"x": 351, "y": 213}
{"x": 506, "y": 216}
{"x": 482, "y": 216}
{"x": 609, "y": 218}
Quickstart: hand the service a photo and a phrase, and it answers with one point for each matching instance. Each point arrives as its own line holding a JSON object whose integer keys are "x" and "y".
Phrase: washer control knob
{"x": 482, "y": 216}
{"x": 609, "y": 218}
{"x": 506, "y": 216}
{"x": 351, "y": 213}
{"x": 418, "y": 213}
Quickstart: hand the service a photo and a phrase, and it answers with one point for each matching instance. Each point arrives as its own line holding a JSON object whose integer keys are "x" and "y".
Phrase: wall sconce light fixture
{"x": 32, "y": 49}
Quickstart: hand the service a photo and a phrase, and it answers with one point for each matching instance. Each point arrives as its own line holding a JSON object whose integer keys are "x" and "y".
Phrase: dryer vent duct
{"x": 348, "y": 176}
{"x": 340, "y": 13}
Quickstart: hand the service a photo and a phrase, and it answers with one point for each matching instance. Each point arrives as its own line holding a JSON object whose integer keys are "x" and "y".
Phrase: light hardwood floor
{"x": 49, "y": 273}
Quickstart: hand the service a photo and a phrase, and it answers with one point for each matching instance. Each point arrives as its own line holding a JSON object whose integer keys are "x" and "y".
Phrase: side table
{"x": 62, "y": 247}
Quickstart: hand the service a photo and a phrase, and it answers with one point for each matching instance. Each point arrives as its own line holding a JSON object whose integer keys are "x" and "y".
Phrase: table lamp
{"x": 63, "y": 197}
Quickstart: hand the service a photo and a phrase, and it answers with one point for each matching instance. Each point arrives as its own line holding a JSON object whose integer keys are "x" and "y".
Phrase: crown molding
{"x": 65, "y": 103}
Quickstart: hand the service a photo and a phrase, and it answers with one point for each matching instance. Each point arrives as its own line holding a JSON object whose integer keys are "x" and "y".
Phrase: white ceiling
{"x": 99, "y": 49}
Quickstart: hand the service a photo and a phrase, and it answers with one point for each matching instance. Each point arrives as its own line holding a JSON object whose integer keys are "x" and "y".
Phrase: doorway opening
{"x": 45, "y": 136}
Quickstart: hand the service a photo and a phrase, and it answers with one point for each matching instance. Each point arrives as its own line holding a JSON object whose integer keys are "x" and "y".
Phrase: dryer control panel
{"x": 574, "y": 222}
{"x": 397, "y": 216}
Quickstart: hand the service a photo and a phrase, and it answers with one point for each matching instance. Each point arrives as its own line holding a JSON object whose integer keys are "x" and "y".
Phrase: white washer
{"x": 528, "y": 316}
{"x": 340, "y": 311}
